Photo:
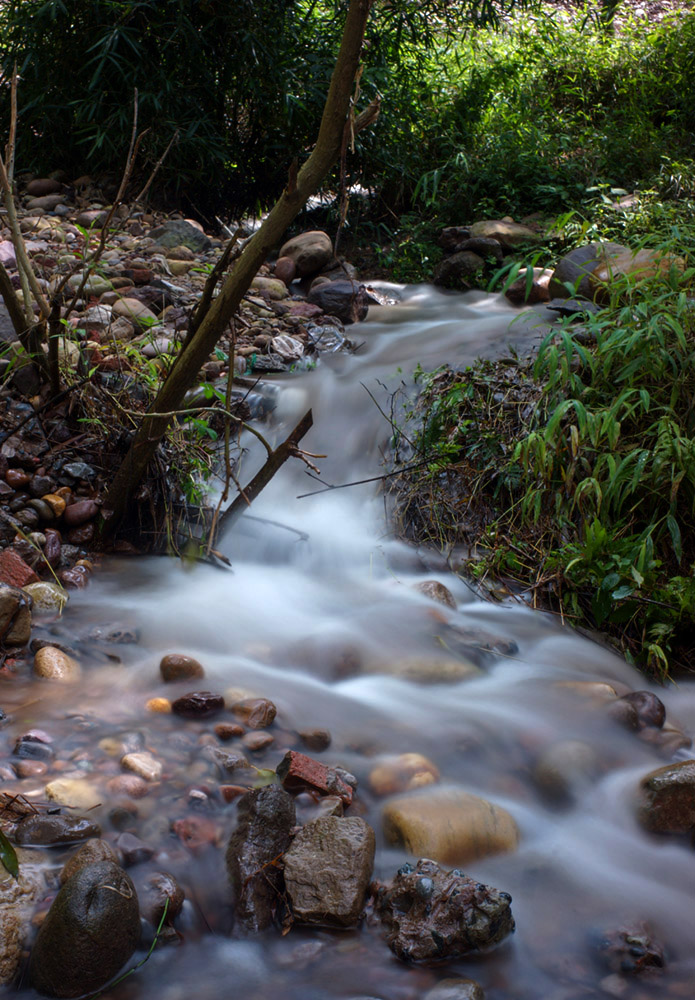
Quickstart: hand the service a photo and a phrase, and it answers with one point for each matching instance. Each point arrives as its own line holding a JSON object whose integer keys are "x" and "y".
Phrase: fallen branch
{"x": 277, "y": 458}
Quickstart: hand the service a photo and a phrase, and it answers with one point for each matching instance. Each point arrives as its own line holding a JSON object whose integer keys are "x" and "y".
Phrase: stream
{"x": 320, "y": 613}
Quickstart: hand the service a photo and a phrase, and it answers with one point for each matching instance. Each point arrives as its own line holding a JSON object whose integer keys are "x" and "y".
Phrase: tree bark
{"x": 189, "y": 362}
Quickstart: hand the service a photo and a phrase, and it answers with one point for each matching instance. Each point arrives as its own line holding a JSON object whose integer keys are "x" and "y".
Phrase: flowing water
{"x": 322, "y": 590}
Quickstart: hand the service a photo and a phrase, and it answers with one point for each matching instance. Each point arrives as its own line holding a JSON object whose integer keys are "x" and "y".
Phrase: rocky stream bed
{"x": 331, "y": 770}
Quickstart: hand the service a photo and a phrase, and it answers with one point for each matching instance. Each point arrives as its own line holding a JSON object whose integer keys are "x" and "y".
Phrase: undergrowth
{"x": 571, "y": 475}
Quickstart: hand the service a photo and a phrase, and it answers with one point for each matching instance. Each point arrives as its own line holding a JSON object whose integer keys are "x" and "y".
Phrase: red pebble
{"x": 195, "y": 832}
{"x": 16, "y": 478}
{"x": 296, "y": 770}
{"x": 14, "y": 571}
{"x": 53, "y": 546}
{"x": 79, "y": 513}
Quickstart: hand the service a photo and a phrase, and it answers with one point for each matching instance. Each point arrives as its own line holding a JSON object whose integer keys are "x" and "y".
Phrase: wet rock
{"x": 228, "y": 731}
{"x": 144, "y": 765}
{"x": 78, "y": 793}
{"x": 18, "y": 899}
{"x": 623, "y": 713}
{"x": 15, "y": 616}
{"x": 77, "y": 514}
{"x": 566, "y": 767}
{"x": 327, "y": 871}
{"x": 53, "y": 664}
{"x": 650, "y": 709}
{"x": 402, "y": 773}
{"x": 436, "y": 591}
{"x": 667, "y": 798}
{"x": 631, "y": 949}
{"x": 14, "y": 572}
{"x": 91, "y": 853}
{"x": 309, "y": 252}
{"x": 509, "y": 234}
{"x": 285, "y": 270}
{"x": 178, "y": 667}
{"x": 228, "y": 761}
{"x": 529, "y": 289}
{"x": 455, "y": 989}
{"x": 265, "y": 818}
{"x": 454, "y": 271}
{"x": 342, "y": 298}
{"x": 30, "y": 748}
{"x": 43, "y": 830}
{"x": 47, "y": 598}
{"x": 256, "y": 713}
{"x": 196, "y": 833}
{"x": 133, "y": 850}
{"x": 130, "y": 785}
{"x": 179, "y": 233}
{"x": 162, "y": 890}
{"x": 198, "y": 705}
{"x": 297, "y": 771}
{"x": 425, "y": 670}
{"x": 431, "y": 914}
{"x": 257, "y": 741}
{"x": 449, "y": 825}
{"x": 575, "y": 269}
{"x": 91, "y": 930}
{"x": 315, "y": 739}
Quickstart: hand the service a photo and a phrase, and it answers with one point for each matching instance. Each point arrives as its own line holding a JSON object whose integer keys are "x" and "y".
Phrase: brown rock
{"x": 90, "y": 853}
{"x": 228, "y": 731}
{"x": 130, "y": 785}
{"x": 327, "y": 870}
{"x": 198, "y": 705}
{"x": 285, "y": 270}
{"x": 667, "y": 798}
{"x": 455, "y": 271}
{"x": 15, "y": 616}
{"x": 162, "y": 890}
{"x": 255, "y": 742}
{"x": 256, "y": 713}
{"x": 309, "y": 251}
{"x": 402, "y": 773}
{"x": 17, "y": 478}
{"x": 80, "y": 512}
{"x": 649, "y": 709}
{"x": 315, "y": 739}
{"x": 509, "y": 234}
{"x": 42, "y": 186}
{"x": 637, "y": 266}
{"x": 53, "y": 664}
{"x": 178, "y": 667}
{"x": 197, "y": 833}
{"x": 436, "y": 591}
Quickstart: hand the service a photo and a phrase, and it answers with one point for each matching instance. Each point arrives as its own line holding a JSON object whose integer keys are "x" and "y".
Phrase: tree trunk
{"x": 196, "y": 351}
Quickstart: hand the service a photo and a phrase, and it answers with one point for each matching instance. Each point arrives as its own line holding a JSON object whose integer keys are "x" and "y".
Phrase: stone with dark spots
{"x": 256, "y": 713}
{"x": 90, "y": 931}
{"x": 198, "y": 705}
{"x": 327, "y": 870}
{"x": 265, "y": 818}
{"x": 650, "y": 709}
{"x": 632, "y": 949}
{"x": 44, "y": 830}
{"x": 431, "y": 914}
{"x": 179, "y": 233}
{"x": 342, "y": 298}
{"x": 667, "y": 798}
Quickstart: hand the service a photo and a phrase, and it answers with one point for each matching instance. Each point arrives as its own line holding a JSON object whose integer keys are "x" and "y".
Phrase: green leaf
{"x": 675, "y": 533}
{"x": 265, "y": 777}
{"x": 8, "y": 856}
{"x": 621, "y": 592}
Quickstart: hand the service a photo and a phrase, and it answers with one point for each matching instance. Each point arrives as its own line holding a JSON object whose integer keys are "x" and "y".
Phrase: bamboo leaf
{"x": 8, "y": 856}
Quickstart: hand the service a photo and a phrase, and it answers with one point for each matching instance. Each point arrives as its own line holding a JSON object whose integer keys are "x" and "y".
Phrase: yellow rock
{"x": 402, "y": 774}
{"x": 425, "y": 670}
{"x": 597, "y": 692}
{"x": 48, "y": 598}
{"x": 144, "y": 765}
{"x": 54, "y": 665}
{"x": 77, "y": 792}
{"x": 56, "y": 503}
{"x": 161, "y": 705}
{"x": 178, "y": 267}
{"x": 449, "y": 825}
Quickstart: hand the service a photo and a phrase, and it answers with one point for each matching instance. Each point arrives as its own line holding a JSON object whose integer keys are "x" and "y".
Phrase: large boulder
{"x": 345, "y": 299}
{"x": 327, "y": 870}
{"x": 509, "y": 234}
{"x": 179, "y": 233}
{"x": 449, "y": 825}
{"x": 431, "y": 914}
{"x": 90, "y": 931}
{"x": 455, "y": 271}
{"x": 667, "y": 798}
{"x": 576, "y": 267}
{"x": 635, "y": 266}
{"x": 310, "y": 252}
{"x": 265, "y": 818}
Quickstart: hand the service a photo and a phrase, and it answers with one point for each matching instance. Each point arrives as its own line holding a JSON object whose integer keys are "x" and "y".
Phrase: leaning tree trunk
{"x": 184, "y": 373}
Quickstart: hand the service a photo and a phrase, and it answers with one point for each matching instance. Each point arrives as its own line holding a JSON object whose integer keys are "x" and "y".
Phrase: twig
{"x": 201, "y": 310}
{"x": 372, "y": 479}
{"x": 227, "y": 428}
{"x": 4, "y": 435}
{"x": 12, "y": 141}
{"x": 157, "y": 165}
